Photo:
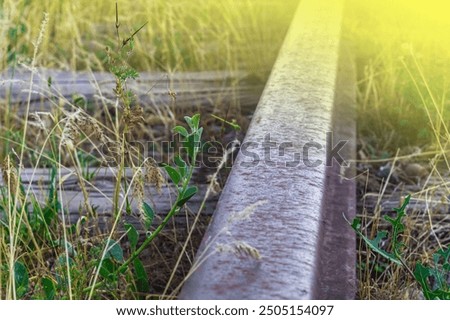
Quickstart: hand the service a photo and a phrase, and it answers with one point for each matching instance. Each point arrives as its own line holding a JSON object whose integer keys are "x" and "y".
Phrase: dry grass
{"x": 403, "y": 58}
{"x": 180, "y": 36}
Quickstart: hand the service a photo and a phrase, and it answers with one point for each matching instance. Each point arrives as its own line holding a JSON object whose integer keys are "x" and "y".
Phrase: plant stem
{"x": 175, "y": 208}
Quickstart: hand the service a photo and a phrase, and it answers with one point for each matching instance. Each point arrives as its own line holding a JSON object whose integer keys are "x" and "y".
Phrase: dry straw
{"x": 77, "y": 123}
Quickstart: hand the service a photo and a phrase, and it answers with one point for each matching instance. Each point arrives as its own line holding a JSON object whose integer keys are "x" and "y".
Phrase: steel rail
{"x": 295, "y": 243}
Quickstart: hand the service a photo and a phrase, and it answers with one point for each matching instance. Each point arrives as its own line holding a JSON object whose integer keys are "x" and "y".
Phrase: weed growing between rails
{"x": 43, "y": 255}
{"x": 433, "y": 276}
{"x": 51, "y": 264}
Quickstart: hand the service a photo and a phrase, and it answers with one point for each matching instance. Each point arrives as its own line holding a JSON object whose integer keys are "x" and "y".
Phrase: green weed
{"x": 44, "y": 254}
{"x": 433, "y": 279}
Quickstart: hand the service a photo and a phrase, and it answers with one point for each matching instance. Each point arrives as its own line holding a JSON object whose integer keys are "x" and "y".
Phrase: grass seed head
{"x": 240, "y": 248}
{"x": 133, "y": 116}
{"x": 78, "y": 123}
{"x": 9, "y": 174}
{"x": 215, "y": 186}
{"x": 138, "y": 189}
{"x": 246, "y": 213}
{"x": 153, "y": 174}
{"x": 41, "y": 120}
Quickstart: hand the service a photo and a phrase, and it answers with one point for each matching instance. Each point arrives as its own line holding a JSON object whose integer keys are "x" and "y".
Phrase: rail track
{"x": 277, "y": 230}
{"x": 295, "y": 243}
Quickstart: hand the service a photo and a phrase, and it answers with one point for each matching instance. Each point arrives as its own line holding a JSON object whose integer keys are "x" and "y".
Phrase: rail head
{"x": 280, "y": 179}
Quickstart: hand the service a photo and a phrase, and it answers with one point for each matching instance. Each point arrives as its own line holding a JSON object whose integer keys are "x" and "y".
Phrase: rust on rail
{"x": 278, "y": 230}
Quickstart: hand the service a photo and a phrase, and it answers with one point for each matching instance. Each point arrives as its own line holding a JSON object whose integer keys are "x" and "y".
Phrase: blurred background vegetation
{"x": 180, "y": 35}
{"x": 402, "y": 49}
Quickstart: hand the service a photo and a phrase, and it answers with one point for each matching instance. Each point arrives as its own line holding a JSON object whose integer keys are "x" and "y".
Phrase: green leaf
{"x": 193, "y": 143}
{"x": 107, "y": 269}
{"x": 405, "y": 203}
{"x": 173, "y": 174}
{"x": 195, "y": 121}
{"x": 21, "y": 279}
{"x": 114, "y": 250}
{"x": 375, "y": 243}
{"x": 356, "y": 224}
{"x": 421, "y": 275}
{"x": 79, "y": 101}
{"x": 70, "y": 250}
{"x": 128, "y": 208}
{"x": 199, "y": 134}
{"x": 141, "y": 277}
{"x": 61, "y": 271}
{"x": 62, "y": 261}
{"x": 189, "y": 145}
{"x": 124, "y": 72}
{"x": 181, "y": 130}
{"x": 181, "y": 164}
{"x": 445, "y": 256}
{"x": 49, "y": 288}
{"x": 188, "y": 194}
{"x": 397, "y": 226}
{"x": 188, "y": 121}
{"x": 133, "y": 235}
{"x": 149, "y": 215}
